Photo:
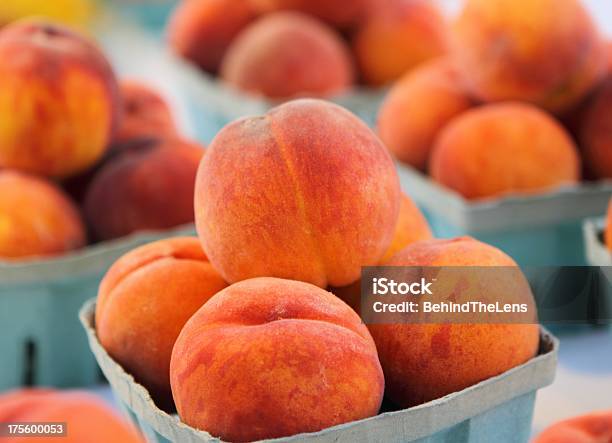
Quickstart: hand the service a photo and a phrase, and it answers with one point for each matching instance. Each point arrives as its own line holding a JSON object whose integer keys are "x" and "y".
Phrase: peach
{"x": 423, "y": 362}
{"x": 59, "y": 100}
{"x": 397, "y": 38}
{"x": 547, "y": 52}
{"x": 418, "y": 107}
{"x": 146, "y": 114}
{"x": 87, "y": 418}
{"x": 286, "y": 54}
{"x": 595, "y": 132}
{"x": 608, "y": 227}
{"x": 594, "y": 427}
{"x": 411, "y": 227}
{"x": 149, "y": 186}
{"x": 504, "y": 148}
{"x": 306, "y": 192}
{"x": 202, "y": 30}
{"x": 339, "y": 13}
{"x": 144, "y": 301}
{"x": 267, "y": 345}
{"x": 36, "y": 218}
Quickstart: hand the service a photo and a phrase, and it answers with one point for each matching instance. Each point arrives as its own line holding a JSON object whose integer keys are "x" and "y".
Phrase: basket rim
{"x": 528, "y": 377}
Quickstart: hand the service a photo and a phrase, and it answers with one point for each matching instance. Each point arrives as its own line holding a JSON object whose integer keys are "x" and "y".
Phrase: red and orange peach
{"x": 143, "y": 303}
{"x": 146, "y": 115}
{"x": 418, "y": 107}
{"x": 59, "y": 100}
{"x": 595, "y": 132}
{"x": 149, "y": 186}
{"x": 202, "y": 30}
{"x": 423, "y": 362}
{"x": 86, "y": 418}
{"x": 265, "y": 345}
{"x": 547, "y": 52}
{"x": 305, "y": 192}
{"x": 595, "y": 427}
{"x": 397, "y": 38}
{"x": 504, "y": 148}
{"x": 288, "y": 54}
{"x": 36, "y": 218}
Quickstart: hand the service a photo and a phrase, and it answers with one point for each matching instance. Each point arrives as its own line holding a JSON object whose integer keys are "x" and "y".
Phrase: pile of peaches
{"x": 512, "y": 97}
{"x": 83, "y": 157}
{"x": 280, "y": 49}
{"x": 250, "y": 331}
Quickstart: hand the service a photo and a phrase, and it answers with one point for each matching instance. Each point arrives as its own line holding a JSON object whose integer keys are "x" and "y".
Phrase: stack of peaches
{"x": 82, "y": 156}
{"x": 520, "y": 105}
{"x": 512, "y": 97}
{"x": 280, "y": 49}
{"x": 250, "y": 331}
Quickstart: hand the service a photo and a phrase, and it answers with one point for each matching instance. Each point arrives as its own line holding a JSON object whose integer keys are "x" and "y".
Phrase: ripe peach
{"x": 86, "y": 417}
{"x": 286, "y": 54}
{"x": 340, "y": 13}
{"x": 547, "y": 52}
{"x": 59, "y": 100}
{"x": 411, "y": 227}
{"x": 418, "y": 107}
{"x": 595, "y": 427}
{"x": 146, "y": 114}
{"x": 36, "y": 218}
{"x": 427, "y": 361}
{"x": 504, "y": 148}
{"x": 397, "y": 38}
{"x": 305, "y": 192}
{"x": 202, "y": 30}
{"x": 149, "y": 186}
{"x": 595, "y": 132}
{"x": 267, "y": 345}
{"x": 144, "y": 301}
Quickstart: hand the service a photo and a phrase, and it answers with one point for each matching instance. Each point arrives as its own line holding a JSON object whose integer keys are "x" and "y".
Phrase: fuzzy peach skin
{"x": 202, "y": 30}
{"x": 148, "y": 186}
{"x": 339, "y": 13}
{"x": 268, "y": 358}
{"x": 87, "y": 418}
{"x": 411, "y": 227}
{"x": 144, "y": 301}
{"x": 595, "y": 132}
{"x": 145, "y": 114}
{"x": 502, "y": 149}
{"x": 595, "y": 427}
{"x": 36, "y": 218}
{"x": 59, "y": 100}
{"x": 397, "y": 38}
{"x": 423, "y": 362}
{"x": 418, "y": 106}
{"x": 547, "y": 52}
{"x": 288, "y": 54}
{"x": 305, "y": 192}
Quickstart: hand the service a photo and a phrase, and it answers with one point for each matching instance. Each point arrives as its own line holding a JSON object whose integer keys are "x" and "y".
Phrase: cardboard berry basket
{"x": 41, "y": 341}
{"x": 536, "y": 230}
{"x": 499, "y": 409}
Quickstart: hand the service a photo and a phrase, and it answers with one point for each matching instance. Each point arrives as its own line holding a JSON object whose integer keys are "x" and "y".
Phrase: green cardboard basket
{"x": 41, "y": 341}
